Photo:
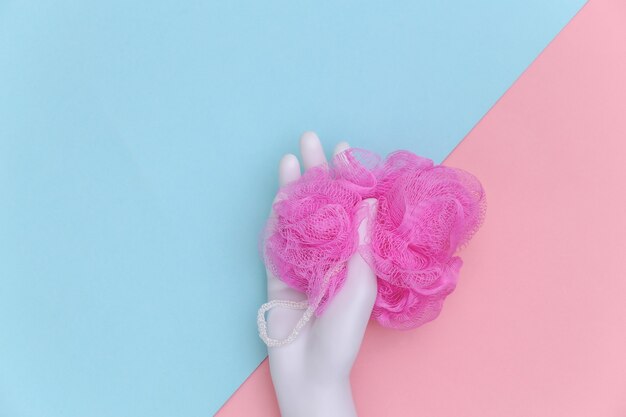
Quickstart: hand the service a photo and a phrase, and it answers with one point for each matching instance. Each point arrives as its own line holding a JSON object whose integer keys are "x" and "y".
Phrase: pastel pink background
{"x": 537, "y": 325}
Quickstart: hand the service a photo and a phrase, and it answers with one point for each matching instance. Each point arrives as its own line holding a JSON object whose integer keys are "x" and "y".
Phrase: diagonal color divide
{"x": 537, "y": 326}
{"x": 138, "y": 151}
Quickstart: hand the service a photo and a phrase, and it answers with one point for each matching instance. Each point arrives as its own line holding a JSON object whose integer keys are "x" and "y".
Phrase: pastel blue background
{"x": 138, "y": 151}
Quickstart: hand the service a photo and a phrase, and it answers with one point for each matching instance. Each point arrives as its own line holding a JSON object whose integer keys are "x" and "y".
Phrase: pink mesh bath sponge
{"x": 426, "y": 212}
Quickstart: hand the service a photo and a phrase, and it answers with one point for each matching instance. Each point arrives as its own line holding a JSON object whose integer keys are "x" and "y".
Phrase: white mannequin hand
{"x": 312, "y": 374}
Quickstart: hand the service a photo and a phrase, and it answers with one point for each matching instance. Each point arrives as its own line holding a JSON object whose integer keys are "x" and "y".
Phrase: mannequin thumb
{"x": 367, "y": 212}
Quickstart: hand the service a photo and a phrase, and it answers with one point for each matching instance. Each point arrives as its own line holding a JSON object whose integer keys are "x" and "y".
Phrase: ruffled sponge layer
{"x": 425, "y": 214}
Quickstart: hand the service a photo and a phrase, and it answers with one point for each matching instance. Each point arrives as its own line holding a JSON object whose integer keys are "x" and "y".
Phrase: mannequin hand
{"x": 311, "y": 375}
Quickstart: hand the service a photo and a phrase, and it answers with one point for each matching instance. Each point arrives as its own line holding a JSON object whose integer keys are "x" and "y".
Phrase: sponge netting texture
{"x": 425, "y": 214}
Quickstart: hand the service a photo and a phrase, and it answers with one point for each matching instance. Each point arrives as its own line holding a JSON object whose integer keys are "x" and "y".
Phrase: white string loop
{"x": 309, "y": 310}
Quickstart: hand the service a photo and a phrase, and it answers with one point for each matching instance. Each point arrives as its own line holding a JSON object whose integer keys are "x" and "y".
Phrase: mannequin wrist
{"x": 313, "y": 398}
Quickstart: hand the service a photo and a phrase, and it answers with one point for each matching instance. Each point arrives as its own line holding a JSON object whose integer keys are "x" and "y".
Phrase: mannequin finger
{"x": 369, "y": 208}
{"x": 343, "y": 324}
{"x": 311, "y": 150}
{"x": 288, "y": 169}
{"x": 341, "y": 146}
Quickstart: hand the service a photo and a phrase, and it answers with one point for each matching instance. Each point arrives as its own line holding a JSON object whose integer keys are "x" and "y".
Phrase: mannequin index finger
{"x": 288, "y": 169}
